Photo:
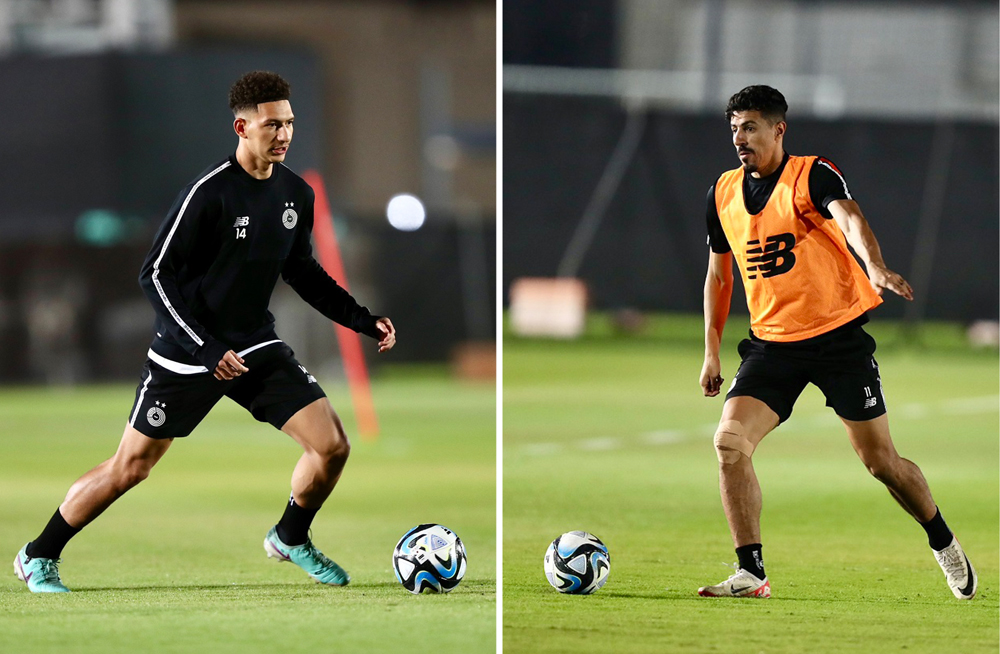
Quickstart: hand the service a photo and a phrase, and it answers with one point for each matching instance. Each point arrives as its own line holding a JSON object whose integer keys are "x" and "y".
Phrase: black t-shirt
{"x": 217, "y": 256}
{"x": 826, "y": 185}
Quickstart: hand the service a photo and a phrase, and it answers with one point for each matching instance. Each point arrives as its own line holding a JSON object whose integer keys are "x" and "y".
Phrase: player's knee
{"x": 731, "y": 442}
{"x": 336, "y": 447}
{"x": 340, "y": 447}
{"x": 131, "y": 473}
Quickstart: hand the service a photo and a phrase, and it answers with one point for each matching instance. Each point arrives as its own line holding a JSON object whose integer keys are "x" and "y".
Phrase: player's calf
{"x": 91, "y": 494}
{"x": 326, "y": 447}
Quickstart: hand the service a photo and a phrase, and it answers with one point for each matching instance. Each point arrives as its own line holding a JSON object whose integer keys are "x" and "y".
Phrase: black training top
{"x": 215, "y": 261}
{"x": 826, "y": 184}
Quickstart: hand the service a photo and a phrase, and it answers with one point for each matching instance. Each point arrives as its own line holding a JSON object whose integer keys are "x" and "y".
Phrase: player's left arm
{"x": 859, "y": 235}
{"x": 303, "y": 273}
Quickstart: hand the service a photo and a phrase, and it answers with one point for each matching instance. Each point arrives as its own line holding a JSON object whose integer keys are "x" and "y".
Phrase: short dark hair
{"x": 768, "y": 101}
{"x": 255, "y": 88}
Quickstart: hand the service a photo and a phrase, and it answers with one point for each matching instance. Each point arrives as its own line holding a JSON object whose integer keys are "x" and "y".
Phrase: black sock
{"x": 938, "y": 534}
{"x": 293, "y": 528}
{"x": 751, "y": 559}
{"x": 52, "y": 540}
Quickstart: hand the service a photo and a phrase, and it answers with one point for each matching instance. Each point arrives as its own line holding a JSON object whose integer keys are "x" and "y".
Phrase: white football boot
{"x": 961, "y": 577}
{"x": 740, "y": 584}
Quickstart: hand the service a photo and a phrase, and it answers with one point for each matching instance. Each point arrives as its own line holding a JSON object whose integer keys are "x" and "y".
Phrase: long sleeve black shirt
{"x": 215, "y": 261}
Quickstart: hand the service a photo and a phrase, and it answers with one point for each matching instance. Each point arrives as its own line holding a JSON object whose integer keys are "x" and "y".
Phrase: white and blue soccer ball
{"x": 577, "y": 563}
{"x": 429, "y": 558}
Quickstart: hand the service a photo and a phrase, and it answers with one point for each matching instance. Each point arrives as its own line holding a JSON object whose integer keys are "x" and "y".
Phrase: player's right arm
{"x": 718, "y": 295}
{"x": 176, "y": 246}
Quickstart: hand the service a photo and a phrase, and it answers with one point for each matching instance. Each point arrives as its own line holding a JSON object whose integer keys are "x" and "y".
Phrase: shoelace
{"x": 736, "y": 571}
{"x": 954, "y": 563}
{"x": 316, "y": 555}
{"x": 49, "y": 569}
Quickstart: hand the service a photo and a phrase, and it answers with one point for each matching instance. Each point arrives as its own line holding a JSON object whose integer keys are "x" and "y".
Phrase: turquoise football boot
{"x": 41, "y": 575}
{"x": 307, "y": 557}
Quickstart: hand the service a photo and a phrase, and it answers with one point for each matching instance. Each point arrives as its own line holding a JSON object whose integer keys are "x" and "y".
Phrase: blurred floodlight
{"x": 405, "y": 212}
{"x": 100, "y": 227}
{"x": 442, "y": 151}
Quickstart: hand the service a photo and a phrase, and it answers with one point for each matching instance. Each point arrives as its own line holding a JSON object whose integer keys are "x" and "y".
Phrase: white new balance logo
{"x": 871, "y": 399}
{"x": 309, "y": 378}
{"x": 242, "y": 221}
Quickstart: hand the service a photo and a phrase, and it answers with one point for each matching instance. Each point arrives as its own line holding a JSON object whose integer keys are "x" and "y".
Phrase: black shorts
{"x": 170, "y": 405}
{"x": 840, "y": 363}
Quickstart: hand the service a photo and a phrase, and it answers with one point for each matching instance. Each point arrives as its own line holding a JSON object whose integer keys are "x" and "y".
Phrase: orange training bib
{"x": 800, "y": 279}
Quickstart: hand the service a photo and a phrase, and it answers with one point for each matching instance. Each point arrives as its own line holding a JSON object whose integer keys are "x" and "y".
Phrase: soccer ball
{"x": 429, "y": 558}
{"x": 577, "y": 563}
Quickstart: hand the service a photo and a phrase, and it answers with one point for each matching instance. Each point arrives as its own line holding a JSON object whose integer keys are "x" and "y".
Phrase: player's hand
{"x": 384, "y": 325}
{"x": 711, "y": 379}
{"x": 230, "y": 367}
{"x": 882, "y": 278}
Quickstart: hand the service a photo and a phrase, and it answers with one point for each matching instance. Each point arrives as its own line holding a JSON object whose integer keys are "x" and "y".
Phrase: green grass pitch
{"x": 611, "y": 434}
{"x": 177, "y": 565}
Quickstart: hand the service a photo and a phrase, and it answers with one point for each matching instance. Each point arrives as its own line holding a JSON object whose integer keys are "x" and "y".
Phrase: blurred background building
{"x": 614, "y": 132}
{"x": 117, "y": 104}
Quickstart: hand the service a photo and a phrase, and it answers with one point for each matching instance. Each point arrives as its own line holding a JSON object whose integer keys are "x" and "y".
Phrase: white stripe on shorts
{"x": 173, "y": 366}
{"x": 187, "y": 369}
{"x": 247, "y": 351}
{"x": 138, "y": 403}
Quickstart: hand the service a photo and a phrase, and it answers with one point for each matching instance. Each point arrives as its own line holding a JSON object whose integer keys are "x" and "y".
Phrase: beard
{"x": 749, "y": 168}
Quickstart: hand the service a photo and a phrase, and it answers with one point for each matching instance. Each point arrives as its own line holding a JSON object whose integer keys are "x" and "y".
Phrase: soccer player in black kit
{"x": 209, "y": 276}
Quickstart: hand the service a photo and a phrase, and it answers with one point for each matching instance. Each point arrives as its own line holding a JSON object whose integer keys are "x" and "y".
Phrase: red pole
{"x": 349, "y": 340}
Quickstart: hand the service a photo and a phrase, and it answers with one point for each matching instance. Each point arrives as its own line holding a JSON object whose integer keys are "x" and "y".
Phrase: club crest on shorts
{"x": 156, "y": 416}
{"x": 289, "y": 218}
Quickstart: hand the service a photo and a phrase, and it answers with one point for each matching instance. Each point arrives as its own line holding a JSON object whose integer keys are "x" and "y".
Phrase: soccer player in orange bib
{"x": 788, "y": 221}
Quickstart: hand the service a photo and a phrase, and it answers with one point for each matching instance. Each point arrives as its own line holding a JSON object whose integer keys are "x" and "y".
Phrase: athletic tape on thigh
{"x": 729, "y": 438}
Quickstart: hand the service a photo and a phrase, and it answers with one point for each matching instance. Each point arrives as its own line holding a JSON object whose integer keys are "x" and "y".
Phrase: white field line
{"x": 663, "y": 437}
{"x": 966, "y": 405}
{"x": 913, "y": 411}
{"x": 600, "y": 444}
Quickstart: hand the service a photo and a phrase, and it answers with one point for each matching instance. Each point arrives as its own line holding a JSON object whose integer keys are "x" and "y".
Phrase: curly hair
{"x": 768, "y": 101}
{"x": 255, "y": 88}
